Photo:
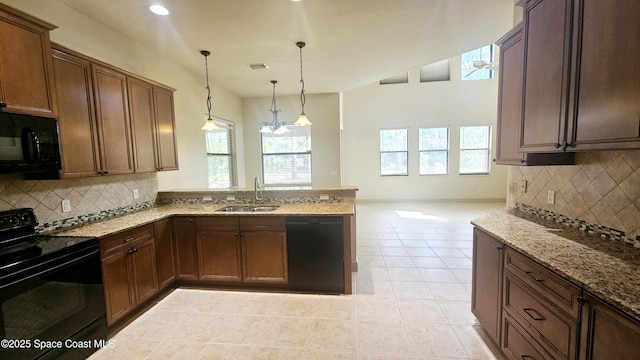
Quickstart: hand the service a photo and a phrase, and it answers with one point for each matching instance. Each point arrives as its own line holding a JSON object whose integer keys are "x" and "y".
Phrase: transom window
{"x": 221, "y": 156}
{"x": 475, "y": 149}
{"x": 286, "y": 158}
{"x": 394, "y": 152}
{"x": 478, "y": 64}
{"x": 434, "y": 151}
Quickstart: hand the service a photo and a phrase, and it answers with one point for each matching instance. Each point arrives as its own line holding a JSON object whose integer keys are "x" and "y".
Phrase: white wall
{"x": 89, "y": 37}
{"x": 453, "y": 103}
{"x": 323, "y": 110}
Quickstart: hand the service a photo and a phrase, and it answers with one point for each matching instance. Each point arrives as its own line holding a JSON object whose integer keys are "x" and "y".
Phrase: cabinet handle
{"x": 237, "y": 234}
{"x": 500, "y": 247}
{"x": 132, "y": 250}
{"x": 581, "y": 300}
{"x": 533, "y": 314}
{"x": 191, "y": 220}
{"x": 129, "y": 239}
{"x": 241, "y": 234}
{"x": 557, "y": 145}
{"x": 532, "y": 275}
{"x": 3, "y": 104}
{"x": 523, "y": 161}
{"x": 525, "y": 357}
{"x": 106, "y": 172}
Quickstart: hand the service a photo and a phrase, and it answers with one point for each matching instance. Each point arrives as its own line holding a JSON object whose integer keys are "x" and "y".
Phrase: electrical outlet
{"x": 551, "y": 197}
{"x": 136, "y": 194}
{"x": 66, "y": 206}
{"x": 523, "y": 186}
{"x": 231, "y": 198}
{"x": 207, "y": 198}
{"x": 324, "y": 197}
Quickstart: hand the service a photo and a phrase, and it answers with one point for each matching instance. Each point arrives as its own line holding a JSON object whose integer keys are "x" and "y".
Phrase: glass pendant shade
{"x": 210, "y": 125}
{"x": 302, "y": 120}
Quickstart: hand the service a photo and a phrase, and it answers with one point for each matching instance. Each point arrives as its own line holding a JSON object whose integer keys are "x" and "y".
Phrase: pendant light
{"x": 302, "y": 120}
{"x": 274, "y": 126}
{"x": 209, "y": 125}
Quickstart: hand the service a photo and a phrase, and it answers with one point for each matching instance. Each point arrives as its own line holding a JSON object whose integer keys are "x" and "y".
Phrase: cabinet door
{"x": 119, "y": 293}
{"x": 607, "y": 90}
{"x": 143, "y": 260}
{"x": 184, "y": 237}
{"x": 546, "y": 43}
{"x": 607, "y": 333}
{"x": 25, "y": 53}
{"x": 486, "y": 290}
{"x": 142, "y": 124}
{"x": 264, "y": 256}
{"x": 219, "y": 255}
{"x": 164, "y": 252}
{"x": 166, "y": 129}
{"x": 112, "y": 110}
{"x": 76, "y": 120}
{"x": 510, "y": 97}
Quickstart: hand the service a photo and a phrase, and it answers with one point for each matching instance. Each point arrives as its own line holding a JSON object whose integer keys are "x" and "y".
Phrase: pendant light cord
{"x": 206, "y": 67}
{"x": 302, "y": 95}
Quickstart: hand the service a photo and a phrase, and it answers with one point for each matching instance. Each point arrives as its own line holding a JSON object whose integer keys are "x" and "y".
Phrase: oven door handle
{"x": 48, "y": 267}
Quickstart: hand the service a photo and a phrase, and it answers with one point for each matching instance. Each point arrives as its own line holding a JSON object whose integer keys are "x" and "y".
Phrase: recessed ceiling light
{"x": 159, "y": 10}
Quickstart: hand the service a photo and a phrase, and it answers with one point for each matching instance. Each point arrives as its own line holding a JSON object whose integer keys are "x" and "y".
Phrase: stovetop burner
{"x": 21, "y": 247}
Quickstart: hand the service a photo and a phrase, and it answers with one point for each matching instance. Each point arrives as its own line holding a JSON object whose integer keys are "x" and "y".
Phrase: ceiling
{"x": 350, "y": 43}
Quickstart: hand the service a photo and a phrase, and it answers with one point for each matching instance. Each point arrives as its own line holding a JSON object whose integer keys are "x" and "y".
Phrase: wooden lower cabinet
{"x": 165, "y": 252}
{"x": 607, "y": 333}
{"x": 184, "y": 238}
{"x": 518, "y": 344}
{"x": 486, "y": 294}
{"x": 219, "y": 255}
{"x": 128, "y": 271}
{"x": 264, "y": 256}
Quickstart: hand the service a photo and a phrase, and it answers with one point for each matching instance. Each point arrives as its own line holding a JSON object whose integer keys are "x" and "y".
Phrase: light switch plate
{"x": 136, "y": 194}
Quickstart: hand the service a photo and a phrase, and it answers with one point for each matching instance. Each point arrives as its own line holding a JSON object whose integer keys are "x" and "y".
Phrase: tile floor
{"x": 412, "y": 301}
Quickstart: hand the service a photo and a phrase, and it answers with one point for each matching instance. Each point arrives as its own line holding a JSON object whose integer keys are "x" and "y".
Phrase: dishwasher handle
{"x": 320, "y": 220}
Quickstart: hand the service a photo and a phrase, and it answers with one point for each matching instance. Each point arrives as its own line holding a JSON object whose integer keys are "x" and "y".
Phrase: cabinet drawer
{"x": 217, "y": 223}
{"x": 271, "y": 223}
{"x": 553, "y": 329}
{"x": 125, "y": 239}
{"x": 518, "y": 344}
{"x": 557, "y": 290}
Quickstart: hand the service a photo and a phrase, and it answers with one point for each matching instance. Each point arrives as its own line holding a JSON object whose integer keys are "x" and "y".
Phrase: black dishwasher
{"x": 316, "y": 253}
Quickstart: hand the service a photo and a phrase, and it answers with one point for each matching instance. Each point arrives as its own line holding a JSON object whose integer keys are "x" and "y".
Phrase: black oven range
{"x": 51, "y": 293}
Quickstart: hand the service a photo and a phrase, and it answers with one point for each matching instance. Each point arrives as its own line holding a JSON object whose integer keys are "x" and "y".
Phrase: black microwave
{"x": 29, "y": 145}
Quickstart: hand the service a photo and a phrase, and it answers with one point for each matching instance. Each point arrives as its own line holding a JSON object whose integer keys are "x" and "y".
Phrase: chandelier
{"x": 275, "y": 126}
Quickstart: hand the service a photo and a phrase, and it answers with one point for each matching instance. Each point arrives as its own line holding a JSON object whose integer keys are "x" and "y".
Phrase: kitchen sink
{"x": 249, "y": 208}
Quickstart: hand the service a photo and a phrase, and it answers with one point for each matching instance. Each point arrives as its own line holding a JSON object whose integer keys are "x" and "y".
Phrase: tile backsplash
{"x": 89, "y": 195}
{"x": 603, "y": 188}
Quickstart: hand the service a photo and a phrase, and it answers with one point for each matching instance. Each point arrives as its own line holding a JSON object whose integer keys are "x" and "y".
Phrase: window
{"x": 220, "y": 156}
{"x": 393, "y": 152}
{"x": 438, "y": 71}
{"x": 398, "y": 79}
{"x": 475, "y": 149}
{"x": 477, "y": 64}
{"x": 286, "y": 158}
{"x": 434, "y": 151}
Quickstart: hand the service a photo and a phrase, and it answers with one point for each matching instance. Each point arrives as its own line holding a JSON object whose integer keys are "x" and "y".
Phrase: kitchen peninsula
{"x": 237, "y": 239}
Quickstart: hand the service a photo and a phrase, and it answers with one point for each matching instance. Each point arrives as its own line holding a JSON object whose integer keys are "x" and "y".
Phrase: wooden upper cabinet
{"x": 167, "y": 150}
{"x": 112, "y": 113}
{"x": 76, "y": 119}
{"x": 142, "y": 124}
{"x": 546, "y": 69}
{"x": 510, "y": 97}
{"x": 26, "y": 80}
{"x": 606, "y": 95}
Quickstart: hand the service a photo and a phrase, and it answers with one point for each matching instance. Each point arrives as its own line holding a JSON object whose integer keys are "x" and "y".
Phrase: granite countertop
{"x": 606, "y": 268}
{"x": 118, "y": 224}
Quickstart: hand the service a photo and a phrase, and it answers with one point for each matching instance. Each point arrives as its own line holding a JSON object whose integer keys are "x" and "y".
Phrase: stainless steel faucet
{"x": 257, "y": 187}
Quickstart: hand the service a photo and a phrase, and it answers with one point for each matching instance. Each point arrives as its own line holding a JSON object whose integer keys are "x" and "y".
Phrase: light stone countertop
{"x": 605, "y": 268}
{"x": 121, "y": 223}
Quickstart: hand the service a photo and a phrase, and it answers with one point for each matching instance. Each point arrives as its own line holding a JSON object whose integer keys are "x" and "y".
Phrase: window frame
{"x": 307, "y": 152}
{"x": 406, "y": 151}
{"x": 446, "y": 151}
{"x": 487, "y": 149}
{"x": 492, "y": 58}
{"x": 229, "y": 127}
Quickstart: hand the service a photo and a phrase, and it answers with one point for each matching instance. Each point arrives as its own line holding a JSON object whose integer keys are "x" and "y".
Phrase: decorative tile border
{"x": 78, "y": 221}
{"x": 278, "y": 200}
{"x": 599, "y": 230}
